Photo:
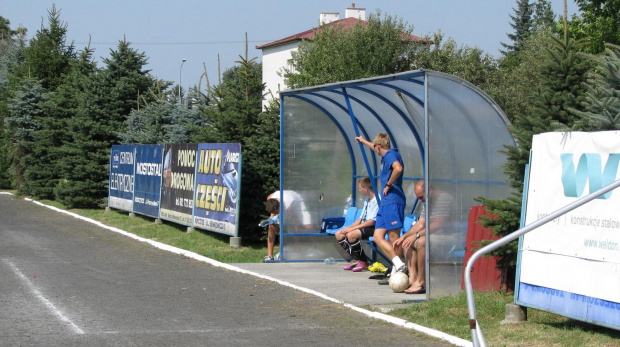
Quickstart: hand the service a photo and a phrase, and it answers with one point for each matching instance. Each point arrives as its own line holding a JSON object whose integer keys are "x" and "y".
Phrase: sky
{"x": 198, "y": 31}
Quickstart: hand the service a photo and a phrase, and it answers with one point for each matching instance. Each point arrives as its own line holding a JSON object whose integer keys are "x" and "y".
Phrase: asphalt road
{"x": 65, "y": 282}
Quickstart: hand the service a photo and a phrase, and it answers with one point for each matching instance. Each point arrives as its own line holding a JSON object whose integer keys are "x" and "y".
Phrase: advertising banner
{"x": 148, "y": 176}
{"x": 121, "y": 185}
{"x": 218, "y": 177}
{"x": 571, "y": 265}
{"x": 178, "y": 183}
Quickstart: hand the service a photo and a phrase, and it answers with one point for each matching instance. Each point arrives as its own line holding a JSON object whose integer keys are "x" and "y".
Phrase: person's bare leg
{"x": 397, "y": 261}
{"x": 354, "y": 235}
{"x": 339, "y": 236}
{"x": 271, "y": 238}
{"x": 394, "y": 234}
{"x": 421, "y": 263}
{"x": 410, "y": 259}
{"x": 384, "y": 245}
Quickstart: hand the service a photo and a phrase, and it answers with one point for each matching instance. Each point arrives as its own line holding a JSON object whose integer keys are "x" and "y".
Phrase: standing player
{"x": 392, "y": 210}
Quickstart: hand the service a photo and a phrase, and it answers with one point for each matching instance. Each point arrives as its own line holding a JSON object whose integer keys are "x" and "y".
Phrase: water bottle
{"x": 271, "y": 220}
{"x": 275, "y": 219}
{"x": 347, "y": 205}
{"x": 330, "y": 261}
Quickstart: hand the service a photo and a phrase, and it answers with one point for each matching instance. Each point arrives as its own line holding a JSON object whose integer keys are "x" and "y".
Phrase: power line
{"x": 173, "y": 43}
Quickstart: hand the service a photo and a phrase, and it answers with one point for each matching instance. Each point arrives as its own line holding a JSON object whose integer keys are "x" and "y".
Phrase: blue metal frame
{"x": 405, "y": 76}
{"x": 403, "y": 116}
{"x": 356, "y": 124}
{"x": 427, "y": 244}
{"x": 282, "y": 212}
{"x": 361, "y": 145}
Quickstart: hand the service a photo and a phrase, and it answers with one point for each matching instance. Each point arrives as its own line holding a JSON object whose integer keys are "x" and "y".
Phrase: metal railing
{"x": 474, "y": 326}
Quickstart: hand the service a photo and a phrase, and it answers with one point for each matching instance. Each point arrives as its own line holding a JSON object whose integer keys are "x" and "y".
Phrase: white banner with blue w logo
{"x": 572, "y": 264}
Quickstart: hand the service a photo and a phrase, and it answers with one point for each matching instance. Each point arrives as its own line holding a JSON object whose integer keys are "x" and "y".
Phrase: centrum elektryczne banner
{"x": 121, "y": 183}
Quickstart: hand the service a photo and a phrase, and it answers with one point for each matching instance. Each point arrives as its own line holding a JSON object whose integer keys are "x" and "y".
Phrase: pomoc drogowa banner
{"x": 197, "y": 185}
{"x": 177, "y": 191}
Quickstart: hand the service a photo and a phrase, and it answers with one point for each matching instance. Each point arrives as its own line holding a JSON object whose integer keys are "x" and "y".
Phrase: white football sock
{"x": 397, "y": 263}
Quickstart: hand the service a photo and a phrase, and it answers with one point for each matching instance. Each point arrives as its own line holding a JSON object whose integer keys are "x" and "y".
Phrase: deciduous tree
{"x": 377, "y": 47}
{"x": 599, "y": 22}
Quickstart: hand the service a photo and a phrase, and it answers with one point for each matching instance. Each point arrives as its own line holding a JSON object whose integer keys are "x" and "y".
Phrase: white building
{"x": 277, "y": 54}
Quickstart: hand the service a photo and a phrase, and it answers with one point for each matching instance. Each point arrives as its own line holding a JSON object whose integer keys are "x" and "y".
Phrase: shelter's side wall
{"x": 318, "y": 167}
{"x": 462, "y": 165}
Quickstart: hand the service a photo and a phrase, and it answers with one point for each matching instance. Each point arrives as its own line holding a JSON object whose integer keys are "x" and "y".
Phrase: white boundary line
{"x": 377, "y": 315}
{"x": 33, "y": 289}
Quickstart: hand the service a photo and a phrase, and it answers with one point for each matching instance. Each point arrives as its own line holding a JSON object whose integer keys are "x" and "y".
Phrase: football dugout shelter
{"x": 448, "y": 132}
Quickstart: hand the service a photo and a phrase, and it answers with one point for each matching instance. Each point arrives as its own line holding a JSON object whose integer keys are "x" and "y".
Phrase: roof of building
{"x": 309, "y": 34}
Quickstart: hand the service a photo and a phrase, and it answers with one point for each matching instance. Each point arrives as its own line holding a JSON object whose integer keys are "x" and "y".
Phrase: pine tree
{"x": 233, "y": 112}
{"x": 12, "y": 43}
{"x": 522, "y": 25}
{"x": 543, "y": 16}
{"x": 48, "y": 57}
{"x": 601, "y": 107}
{"x": 125, "y": 73}
{"x": 22, "y": 126}
{"x": 64, "y": 106}
{"x": 109, "y": 96}
{"x": 561, "y": 75}
{"x": 234, "y": 115}
{"x": 261, "y": 163}
{"x": 162, "y": 121}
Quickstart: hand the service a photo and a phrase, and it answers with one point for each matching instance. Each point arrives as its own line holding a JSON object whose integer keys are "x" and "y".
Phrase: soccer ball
{"x": 399, "y": 281}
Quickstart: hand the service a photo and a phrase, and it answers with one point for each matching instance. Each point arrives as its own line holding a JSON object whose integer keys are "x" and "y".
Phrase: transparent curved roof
{"x": 447, "y": 130}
